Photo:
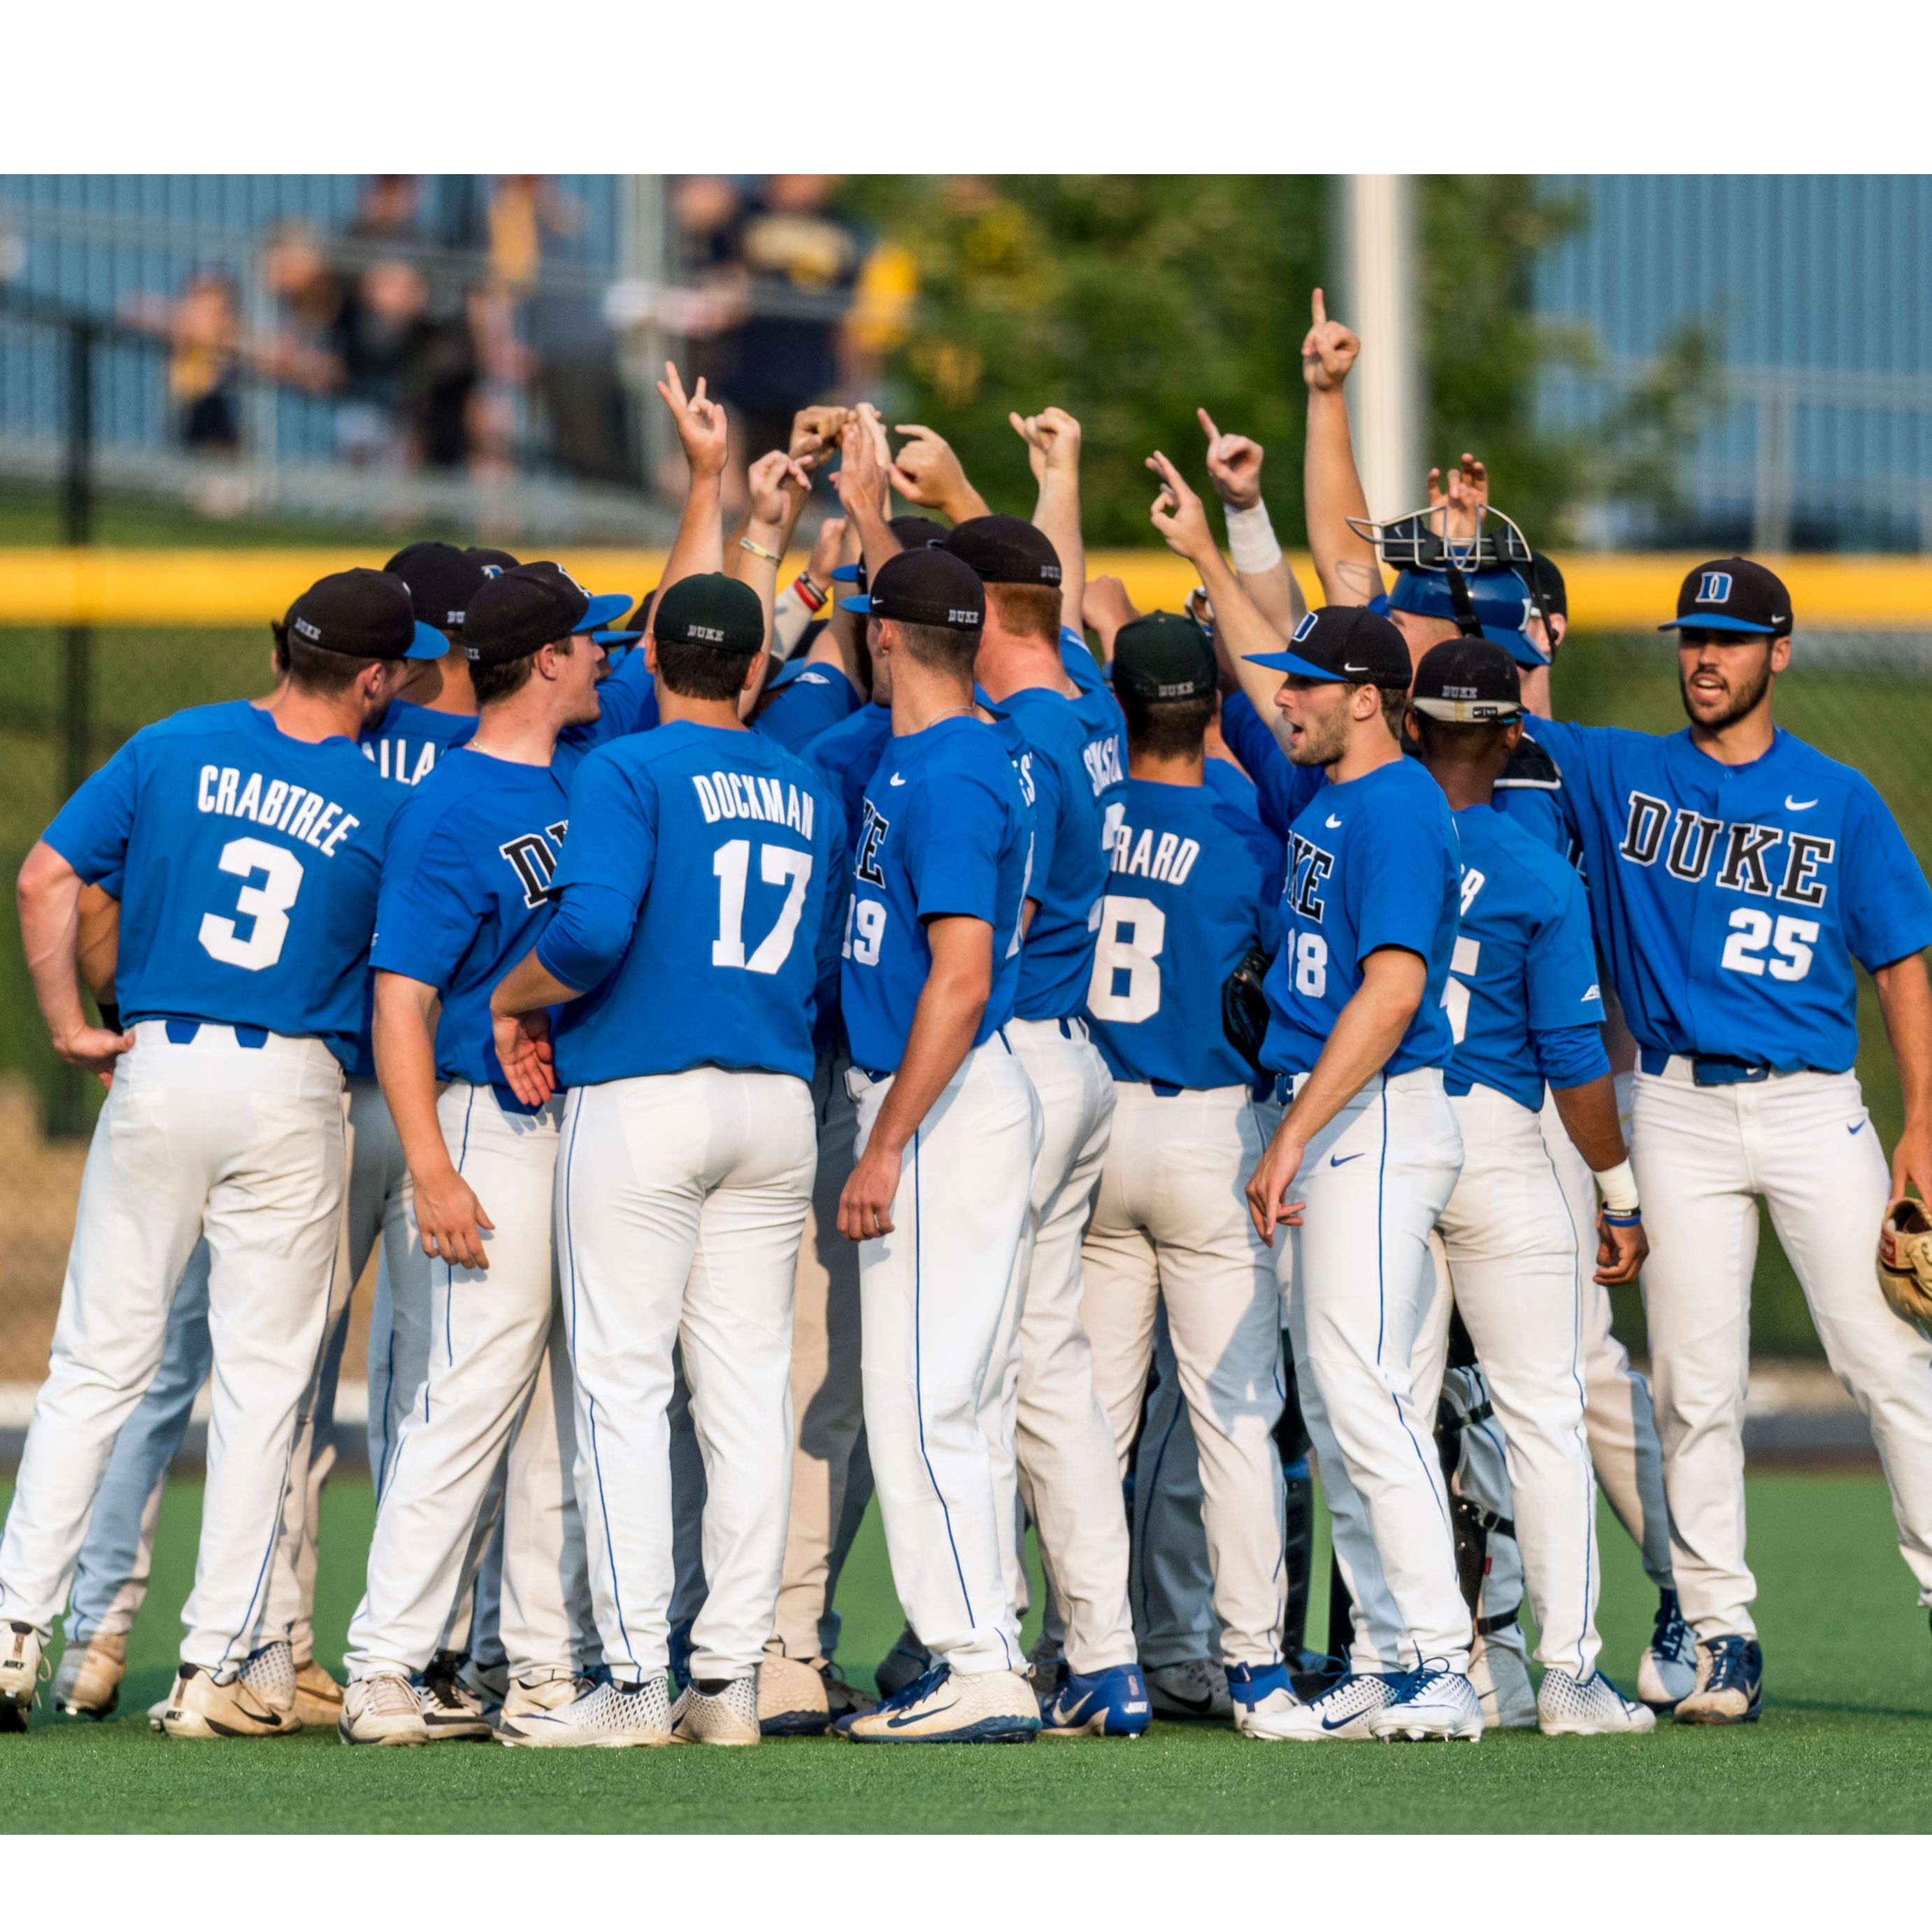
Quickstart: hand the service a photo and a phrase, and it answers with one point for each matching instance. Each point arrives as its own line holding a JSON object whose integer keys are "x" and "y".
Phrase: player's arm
{"x": 450, "y": 1219}
{"x": 1589, "y": 1116}
{"x": 944, "y": 1024}
{"x": 1241, "y": 631}
{"x": 1345, "y": 560}
{"x": 1105, "y": 606}
{"x": 699, "y": 545}
{"x": 1052, "y": 438}
{"x": 1369, "y": 1029}
{"x": 1234, "y": 468}
{"x": 779, "y": 489}
{"x": 1906, "y": 1001}
{"x": 48, "y": 893}
{"x": 520, "y": 1025}
{"x": 928, "y": 472}
{"x": 865, "y": 490}
{"x": 98, "y": 944}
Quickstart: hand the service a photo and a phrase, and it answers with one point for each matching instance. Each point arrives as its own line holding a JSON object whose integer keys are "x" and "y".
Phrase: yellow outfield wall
{"x": 164, "y": 588}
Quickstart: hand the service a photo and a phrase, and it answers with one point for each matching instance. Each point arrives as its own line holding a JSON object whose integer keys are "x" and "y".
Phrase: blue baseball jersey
{"x": 1193, "y": 886}
{"x": 627, "y": 702}
{"x": 465, "y": 890}
{"x": 814, "y": 701}
{"x": 1523, "y": 977}
{"x": 698, "y": 903}
{"x": 1073, "y": 763}
{"x": 1080, "y": 664}
{"x": 1282, "y": 788}
{"x": 1229, "y": 782}
{"x": 1371, "y": 863}
{"x": 944, "y": 831}
{"x": 848, "y": 754}
{"x": 411, "y": 738}
{"x": 1730, "y": 900}
{"x": 248, "y": 863}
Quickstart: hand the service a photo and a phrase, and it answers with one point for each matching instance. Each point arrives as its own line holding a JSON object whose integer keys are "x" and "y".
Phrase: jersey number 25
{"x": 267, "y": 904}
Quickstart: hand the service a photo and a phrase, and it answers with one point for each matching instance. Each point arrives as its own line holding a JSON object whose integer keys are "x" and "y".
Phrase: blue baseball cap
{"x": 1503, "y": 602}
{"x": 1733, "y": 593}
{"x": 1345, "y": 643}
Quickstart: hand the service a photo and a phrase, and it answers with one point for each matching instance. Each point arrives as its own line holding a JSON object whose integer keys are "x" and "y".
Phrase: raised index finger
{"x": 1208, "y": 424}
{"x": 1318, "y": 308}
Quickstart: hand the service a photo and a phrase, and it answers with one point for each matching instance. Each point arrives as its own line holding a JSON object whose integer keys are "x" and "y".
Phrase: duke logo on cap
{"x": 1732, "y": 593}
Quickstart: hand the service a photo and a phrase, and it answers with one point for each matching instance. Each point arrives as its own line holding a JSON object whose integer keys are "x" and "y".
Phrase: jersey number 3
{"x": 267, "y": 904}
{"x": 777, "y": 864}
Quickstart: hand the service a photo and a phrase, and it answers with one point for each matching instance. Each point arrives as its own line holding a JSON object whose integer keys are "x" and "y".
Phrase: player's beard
{"x": 1324, "y": 739}
{"x": 1744, "y": 699}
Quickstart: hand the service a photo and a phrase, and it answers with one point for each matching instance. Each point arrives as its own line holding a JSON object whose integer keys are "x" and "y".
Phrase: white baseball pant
{"x": 1171, "y": 1581}
{"x": 681, "y": 1200}
{"x": 1069, "y": 1466}
{"x": 498, "y": 1381}
{"x": 245, "y": 1145}
{"x": 1171, "y": 1225}
{"x": 1804, "y": 1141}
{"x": 1617, "y": 1414}
{"x": 831, "y": 1477}
{"x": 1374, "y": 1181}
{"x": 939, "y": 1299}
{"x": 1512, "y": 1258}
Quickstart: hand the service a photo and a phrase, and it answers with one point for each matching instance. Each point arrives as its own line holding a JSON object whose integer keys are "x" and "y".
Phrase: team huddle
{"x": 787, "y": 1048}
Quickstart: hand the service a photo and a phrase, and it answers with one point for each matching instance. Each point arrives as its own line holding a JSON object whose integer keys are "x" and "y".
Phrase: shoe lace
{"x": 391, "y": 1696}
{"x": 922, "y": 1686}
{"x": 1727, "y": 1666}
{"x": 1670, "y": 1635}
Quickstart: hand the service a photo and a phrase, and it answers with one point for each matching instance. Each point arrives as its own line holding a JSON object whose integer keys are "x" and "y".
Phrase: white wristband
{"x": 1251, "y": 542}
{"x": 1618, "y": 1186}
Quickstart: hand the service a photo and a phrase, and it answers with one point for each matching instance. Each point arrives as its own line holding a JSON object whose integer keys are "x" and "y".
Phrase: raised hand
{"x": 1234, "y": 465}
{"x": 815, "y": 434}
{"x": 1328, "y": 350}
{"x": 779, "y": 485}
{"x": 1052, "y": 438}
{"x": 863, "y": 479}
{"x": 1463, "y": 503}
{"x": 701, "y": 426}
{"x": 926, "y": 472}
{"x": 1178, "y": 513}
{"x": 825, "y": 549}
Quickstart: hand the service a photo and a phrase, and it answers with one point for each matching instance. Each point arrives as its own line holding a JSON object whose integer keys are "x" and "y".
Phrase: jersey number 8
{"x": 267, "y": 904}
{"x": 1126, "y": 986}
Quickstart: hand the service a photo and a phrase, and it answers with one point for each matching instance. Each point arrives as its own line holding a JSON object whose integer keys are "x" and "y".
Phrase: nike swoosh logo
{"x": 1343, "y": 1159}
{"x": 1798, "y": 804}
{"x": 1853, "y": 1130}
{"x": 1336, "y": 1723}
{"x": 896, "y": 779}
{"x": 918, "y": 1717}
{"x": 1332, "y": 821}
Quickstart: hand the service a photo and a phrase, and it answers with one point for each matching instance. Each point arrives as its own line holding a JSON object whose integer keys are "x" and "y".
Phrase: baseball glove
{"x": 1905, "y": 1261}
{"x": 1244, "y": 1008}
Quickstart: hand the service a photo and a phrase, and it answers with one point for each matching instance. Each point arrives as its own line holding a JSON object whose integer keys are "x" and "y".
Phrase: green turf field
{"x": 1846, "y": 1744}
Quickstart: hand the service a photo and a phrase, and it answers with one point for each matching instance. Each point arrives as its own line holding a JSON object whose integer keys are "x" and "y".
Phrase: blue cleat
{"x": 1110, "y": 1703}
{"x": 945, "y": 1707}
{"x": 1730, "y": 1683}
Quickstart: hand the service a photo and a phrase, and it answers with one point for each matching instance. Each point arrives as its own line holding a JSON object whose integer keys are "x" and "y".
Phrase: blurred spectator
{"x": 203, "y": 333}
{"x": 308, "y": 297}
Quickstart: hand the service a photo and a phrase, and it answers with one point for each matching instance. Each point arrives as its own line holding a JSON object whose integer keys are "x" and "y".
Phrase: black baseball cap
{"x": 442, "y": 581}
{"x": 1345, "y": 643}
{"x": 1732, "y": 594}
{"x": 1162, "y": 655}
{"x": 1468, "y": 681}
{"x": 362, "y": 614}
{"x": 1005, "y": 550}
{"x": 711, "y": 609}
{"x": 927, "y": 586}
{"x": 492, "y": 560}
{"x": 914, "y": 533}
{"x": 516, "y": 612}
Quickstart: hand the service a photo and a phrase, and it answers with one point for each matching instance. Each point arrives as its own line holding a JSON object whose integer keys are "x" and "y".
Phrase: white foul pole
{"x": 1385, "y": 390}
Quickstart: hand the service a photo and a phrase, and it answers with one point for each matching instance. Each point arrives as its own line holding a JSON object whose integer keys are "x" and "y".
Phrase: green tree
{"x": 1128, "y": 300}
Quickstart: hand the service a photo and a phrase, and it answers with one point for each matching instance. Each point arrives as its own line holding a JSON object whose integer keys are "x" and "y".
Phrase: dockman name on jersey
{"x": 743, "y": 795}
{"x": 303, "y": 815}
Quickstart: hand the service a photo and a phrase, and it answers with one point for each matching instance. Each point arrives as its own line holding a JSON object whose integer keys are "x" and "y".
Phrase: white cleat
{"x": 801, "y": 1697}
{"x": 1568, "y": 1706}
{"x": 88, "y": 1684}
{"x": 1432, "y": 1702}
{"x": 540, "y": 1690}
{"x": 943, "y": 1706}
{"x": 270, "y": 1672}
{"x": 382, "y": 1710}
{"x": 610, "y": 1716}
{"x": 1666, "y": 1673}
{"x": 1197, "y": 1688}
{"x": 22, "y": 1667}
{"x": 727, "y": 1716}
{"x": 318, "y": 1695}
{"x": 450, "y": 1708}
{"x": 1341, "y": 1714}
{"x": 1272, "y": 1719}
{"x": 199, "y": 1706}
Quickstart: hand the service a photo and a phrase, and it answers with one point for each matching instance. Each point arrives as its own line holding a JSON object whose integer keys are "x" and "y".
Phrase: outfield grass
{"x": 1846, "y": 1744}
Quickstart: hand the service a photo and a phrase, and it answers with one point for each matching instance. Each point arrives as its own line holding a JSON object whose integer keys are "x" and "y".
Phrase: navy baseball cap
{"x": 1467, "y": 681}
{"x": 926, "y": 586}
{"x": 363, "y": 613}
{"x": 493, "y": 561}
{"x": 442, "y": 581}
{"x": 712, "y": 609}
{"x": 516, "y": 612}
{"x": 1161, "y": 656}
{"x": 1005, "y": 550}
{"x": 1504, "y": 605}
{"x": 1732, "y": 594}
{"x": 1344, "y": 643}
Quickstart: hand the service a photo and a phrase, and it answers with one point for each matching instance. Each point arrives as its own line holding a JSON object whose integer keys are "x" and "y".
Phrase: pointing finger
{"x": 1318, "y": 308}
{"x": 1208, "y": 424}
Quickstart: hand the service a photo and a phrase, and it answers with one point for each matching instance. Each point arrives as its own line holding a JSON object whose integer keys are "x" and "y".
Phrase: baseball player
{"x": 1623, "y": 1447}
{"x": 241, "y": 975}
{"x": 1525, "y": 1009}
{"x": 688, "y": 1146}
{"x": 948, "y": 1130}
{"x": 466, "y": 882}
{"x": 1191, "y": 891}
{"x": 1735, "y": 874}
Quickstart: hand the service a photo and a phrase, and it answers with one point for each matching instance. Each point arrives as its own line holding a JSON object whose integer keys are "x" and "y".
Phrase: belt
{"x": 875, "y": 1074}
{"x": 1418, "y": 1079}
{"x": 181, "y": 1033}
{"x": 1718, "y": 1070}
